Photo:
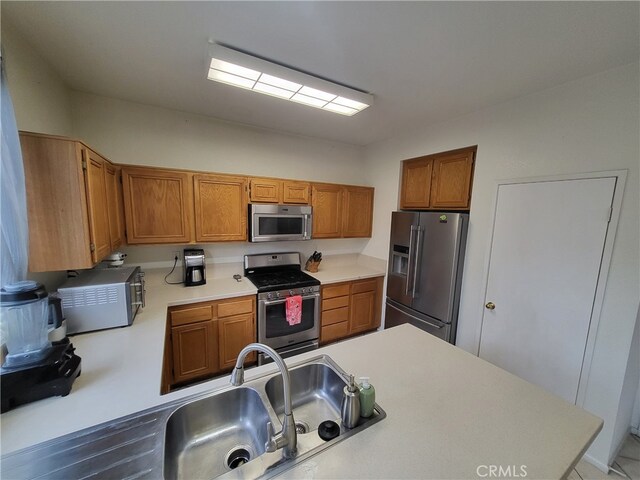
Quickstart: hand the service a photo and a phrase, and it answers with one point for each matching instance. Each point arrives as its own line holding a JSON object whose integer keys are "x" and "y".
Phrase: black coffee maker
{"x": 194, "y": 268}
{"x": 34, "y": 367}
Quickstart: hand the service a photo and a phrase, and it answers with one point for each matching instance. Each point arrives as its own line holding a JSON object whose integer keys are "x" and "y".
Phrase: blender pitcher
{"x": 24, "y": 317}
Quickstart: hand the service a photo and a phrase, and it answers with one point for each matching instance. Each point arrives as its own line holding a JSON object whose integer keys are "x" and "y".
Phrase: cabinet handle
{"x": 490, "y": 306}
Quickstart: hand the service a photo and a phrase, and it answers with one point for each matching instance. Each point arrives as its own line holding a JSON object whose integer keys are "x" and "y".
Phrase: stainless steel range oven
{"x": 278, "y": 276}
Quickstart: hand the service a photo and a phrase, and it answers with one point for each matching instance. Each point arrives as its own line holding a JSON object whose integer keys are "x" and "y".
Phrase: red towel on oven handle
{"x": 293, "y": 309}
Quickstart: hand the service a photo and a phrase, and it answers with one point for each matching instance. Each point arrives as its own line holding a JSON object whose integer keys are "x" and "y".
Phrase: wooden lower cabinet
{"x": 195, "y": 348}
{"x": 350, "y": 308}
{"x": 204, "y": 339}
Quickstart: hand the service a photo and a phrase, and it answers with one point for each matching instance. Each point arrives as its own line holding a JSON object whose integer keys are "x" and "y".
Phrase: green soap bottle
{"x": 367, "y": 397}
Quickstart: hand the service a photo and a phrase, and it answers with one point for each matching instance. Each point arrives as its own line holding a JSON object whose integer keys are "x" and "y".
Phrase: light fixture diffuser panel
{"x": 251, "y": 73}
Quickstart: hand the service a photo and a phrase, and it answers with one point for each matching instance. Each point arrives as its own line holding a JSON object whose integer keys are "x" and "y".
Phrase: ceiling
{"x": 423, "y": 61}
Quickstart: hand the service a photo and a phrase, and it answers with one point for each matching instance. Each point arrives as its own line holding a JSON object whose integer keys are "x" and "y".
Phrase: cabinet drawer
{"x": 184, "y": 315}
{"x": 235, "y": 307}
{"x": 337, "y": 302}
{"x": 336, "y": 315}
{"x": 365, "y": 286}
{"x": 334, "y": 332}
{"x": 335, "y": 291}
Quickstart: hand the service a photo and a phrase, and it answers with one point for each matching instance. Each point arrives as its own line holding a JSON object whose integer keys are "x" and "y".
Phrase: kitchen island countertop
{"x": 449, "y": 413}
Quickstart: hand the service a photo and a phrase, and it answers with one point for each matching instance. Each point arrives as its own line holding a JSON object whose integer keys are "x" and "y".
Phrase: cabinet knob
{"x": 490, "y": 306}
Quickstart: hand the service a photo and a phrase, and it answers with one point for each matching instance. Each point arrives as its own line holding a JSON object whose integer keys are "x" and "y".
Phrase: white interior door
{"x": 547, "y": 247}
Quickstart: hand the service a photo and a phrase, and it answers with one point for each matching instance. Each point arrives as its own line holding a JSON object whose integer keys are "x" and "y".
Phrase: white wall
{"x": 41, "y": 102}
{"x": 587, "y": 125}
{"x": 132, "y": 133}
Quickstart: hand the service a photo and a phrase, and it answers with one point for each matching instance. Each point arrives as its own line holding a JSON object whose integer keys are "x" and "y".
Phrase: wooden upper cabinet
{"x": 274, "y": 190}
{"x": 451, "y": 184}
{"x": 341, "y": 210}
{"x": 326, "y": 200}
{"x": 95, "y": 166}
{"x": 416, "y": 183}
{"x": 439, "y": 181}
{"x": 67, "y": 204}
{"x": 220, "y": 208}
{"x": 295, "y": 192}
{"x": 265, "y": 190}
{"x": 357, "y": 216}
{"x": 115, "y": 204}
{"x": 158, "y": 205}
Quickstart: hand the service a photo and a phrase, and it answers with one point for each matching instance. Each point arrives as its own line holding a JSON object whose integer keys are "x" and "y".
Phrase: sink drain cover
{"x": 237, "y": 457}
{"x": 328, "y": 430}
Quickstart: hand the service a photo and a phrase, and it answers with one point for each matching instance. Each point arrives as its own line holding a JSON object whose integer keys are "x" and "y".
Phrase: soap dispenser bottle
{"x": 350, "y": 404}
{"x": 367, "y": 397}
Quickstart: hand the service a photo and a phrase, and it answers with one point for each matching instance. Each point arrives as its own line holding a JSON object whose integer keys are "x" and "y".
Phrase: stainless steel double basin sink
{"x": 225, "y": 434}
{"x": 208, "y": 435}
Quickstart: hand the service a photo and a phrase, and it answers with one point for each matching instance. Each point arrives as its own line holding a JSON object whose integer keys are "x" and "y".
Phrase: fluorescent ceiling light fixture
{"x": 258, "y": 75}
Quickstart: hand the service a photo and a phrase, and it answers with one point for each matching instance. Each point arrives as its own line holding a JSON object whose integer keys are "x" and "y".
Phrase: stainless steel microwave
{"x": 272, "y": 223}
{"x": 100, "y": 299}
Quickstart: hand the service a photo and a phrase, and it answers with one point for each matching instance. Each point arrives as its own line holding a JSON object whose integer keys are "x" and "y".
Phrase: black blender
{"x": 34, "y": 367}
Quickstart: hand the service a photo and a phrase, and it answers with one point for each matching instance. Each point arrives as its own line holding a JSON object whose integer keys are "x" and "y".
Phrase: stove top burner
{"x": 281, "y": 280}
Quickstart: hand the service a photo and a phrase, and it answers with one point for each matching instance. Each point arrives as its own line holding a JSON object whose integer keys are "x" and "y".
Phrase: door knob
{"x": 490, "y": 306}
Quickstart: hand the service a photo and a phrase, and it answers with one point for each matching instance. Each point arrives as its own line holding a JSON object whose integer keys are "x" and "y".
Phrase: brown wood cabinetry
{"x": 295, "y": 192}
{"x": 204, "y": 339}
{"x": 115, "y": 205}
{"x": 158, "y": 205}
{"x": 326, "y": 200}
{"x": 341, "y": 210}
{"x": 350, "y": 308}
{"x": 274, "y": 190}
{"x": 357, "y": 216}
{"x": 438, "y": 182}
{"x": 220, "y": 208}
{"x": 68, "y": 205}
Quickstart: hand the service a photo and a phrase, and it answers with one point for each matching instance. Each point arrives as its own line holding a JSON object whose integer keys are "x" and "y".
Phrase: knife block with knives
{"x": 313, "y": 262}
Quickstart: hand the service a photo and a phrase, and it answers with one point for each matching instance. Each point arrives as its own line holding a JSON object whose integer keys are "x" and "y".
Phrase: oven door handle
{"x": 267, "y": 303}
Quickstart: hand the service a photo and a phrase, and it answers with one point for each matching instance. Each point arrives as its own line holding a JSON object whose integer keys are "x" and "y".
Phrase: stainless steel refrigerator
{"x": 426, "y": 256}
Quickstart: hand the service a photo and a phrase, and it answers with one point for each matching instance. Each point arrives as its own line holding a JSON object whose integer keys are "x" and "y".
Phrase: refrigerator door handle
{"x": 408, "y": 288}
{"x": 418, "y": 248}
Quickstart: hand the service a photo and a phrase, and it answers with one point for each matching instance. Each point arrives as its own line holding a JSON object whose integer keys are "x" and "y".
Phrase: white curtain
{"x": 13, "y": 202}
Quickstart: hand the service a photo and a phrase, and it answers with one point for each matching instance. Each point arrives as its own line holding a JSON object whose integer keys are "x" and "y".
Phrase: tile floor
{"x": 627, "y": 463}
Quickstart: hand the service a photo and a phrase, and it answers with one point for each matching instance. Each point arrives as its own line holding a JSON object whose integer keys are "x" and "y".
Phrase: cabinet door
{"x": 295, "y": 192}
{"x": 97, "y": 206}
{"x": 365, "y": 305}
{"x": 326, "y": 200}
{"x": 56, "y": 204}
{"x": 451, "y": 184}
{"x": 221, "y": 208}
{"x": 265, "y": 190}
{"x": 114, "y": 205}
{"x": 158, "y": 205}
{"x": 416, "y": 183}
{"x": 194, "y": 350}
{"x": 236, "y": 333}
{"x": 357, "y": 212}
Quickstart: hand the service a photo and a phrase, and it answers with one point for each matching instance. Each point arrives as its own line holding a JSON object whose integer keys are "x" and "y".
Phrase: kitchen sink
{"x": 316, "y": 395}
{"x": 218, "y": 434}
{"x": 212, "y": 436}
{"x": 223, "y": 435}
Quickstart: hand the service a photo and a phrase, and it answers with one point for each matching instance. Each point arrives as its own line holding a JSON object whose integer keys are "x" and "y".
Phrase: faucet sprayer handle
{"x": 271, "y": 444}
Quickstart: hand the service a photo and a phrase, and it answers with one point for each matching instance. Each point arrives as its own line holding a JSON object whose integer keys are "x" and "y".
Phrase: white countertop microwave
{"x": 100, "y": 299}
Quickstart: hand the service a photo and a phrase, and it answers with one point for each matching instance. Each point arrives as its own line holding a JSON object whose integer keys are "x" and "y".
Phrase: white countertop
{"x": 448, "y": 412}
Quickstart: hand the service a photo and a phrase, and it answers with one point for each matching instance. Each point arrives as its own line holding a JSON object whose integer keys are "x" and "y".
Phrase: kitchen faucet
{"x": 287, "y": 438}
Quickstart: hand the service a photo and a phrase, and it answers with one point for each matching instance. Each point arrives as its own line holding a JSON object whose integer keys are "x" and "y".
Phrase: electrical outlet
{"x": 175, "y": 255}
